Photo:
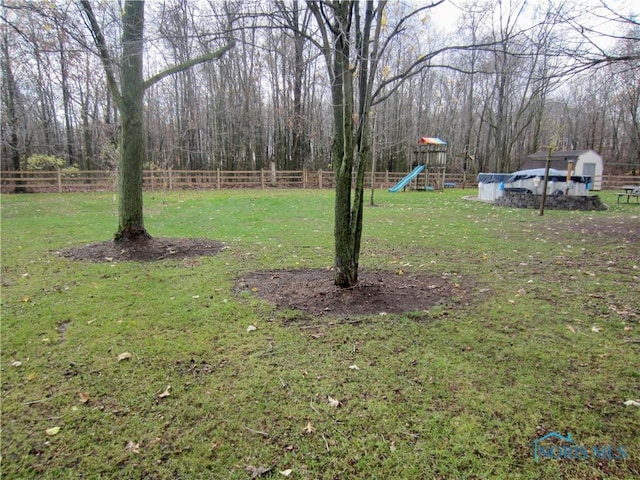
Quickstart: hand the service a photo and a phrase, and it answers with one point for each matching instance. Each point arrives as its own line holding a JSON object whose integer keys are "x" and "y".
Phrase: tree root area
{"x": 144, "y": 250}
{"x": 311, "y": 292}
{"x": 377, "y": 293}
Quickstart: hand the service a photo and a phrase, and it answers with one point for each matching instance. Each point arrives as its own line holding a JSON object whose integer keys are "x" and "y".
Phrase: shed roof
{"x": 560, "y": 154}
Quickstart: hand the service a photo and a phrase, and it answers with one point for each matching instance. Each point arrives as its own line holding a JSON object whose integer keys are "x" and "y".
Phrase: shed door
{"x": 589, "y": 170}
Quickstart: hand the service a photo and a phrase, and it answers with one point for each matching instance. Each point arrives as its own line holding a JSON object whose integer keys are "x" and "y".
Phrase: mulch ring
{"x": 144, "y": 250}
{"x": 378, "y": 292}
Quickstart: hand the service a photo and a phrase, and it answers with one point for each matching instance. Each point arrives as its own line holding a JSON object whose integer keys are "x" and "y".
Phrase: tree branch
{"x": 106, "y": 59}
{"x": 188, "y": 64}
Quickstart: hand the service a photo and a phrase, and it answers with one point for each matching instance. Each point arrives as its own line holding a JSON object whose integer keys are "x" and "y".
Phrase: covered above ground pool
{"x": 492, "y": 185}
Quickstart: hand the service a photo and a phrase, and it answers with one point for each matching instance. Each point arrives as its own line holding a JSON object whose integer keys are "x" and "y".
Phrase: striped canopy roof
{"x": 431, "y": 141}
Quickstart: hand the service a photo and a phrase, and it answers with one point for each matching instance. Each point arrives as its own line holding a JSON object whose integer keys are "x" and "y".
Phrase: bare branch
{"x": 106, "y": 59}
{"x": 207, "y": 57}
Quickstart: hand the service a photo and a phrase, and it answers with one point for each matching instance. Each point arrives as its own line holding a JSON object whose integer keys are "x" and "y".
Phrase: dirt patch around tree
{"x": 144, "y": 250}
{"x": 308, "y": 291}
{"x": 377, "y": 293}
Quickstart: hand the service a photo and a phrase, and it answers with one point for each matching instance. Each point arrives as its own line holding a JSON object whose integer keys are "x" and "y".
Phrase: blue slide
{"x": 403, "y": 183}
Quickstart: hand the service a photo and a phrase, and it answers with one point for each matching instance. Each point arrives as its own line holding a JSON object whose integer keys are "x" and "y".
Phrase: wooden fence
{"x": 99, "y": 180}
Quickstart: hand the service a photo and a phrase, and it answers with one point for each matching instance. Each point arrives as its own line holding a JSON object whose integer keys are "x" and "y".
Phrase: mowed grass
{"x": 548, "y": 342}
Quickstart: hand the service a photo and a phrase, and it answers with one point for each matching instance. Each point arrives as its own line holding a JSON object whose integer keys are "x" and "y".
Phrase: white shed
{"x": 586, "y": 163}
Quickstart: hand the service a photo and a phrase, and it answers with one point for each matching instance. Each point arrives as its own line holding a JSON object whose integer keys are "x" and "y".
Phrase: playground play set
{"x": 430, "y": 158}
{"x": 575, "y": 179}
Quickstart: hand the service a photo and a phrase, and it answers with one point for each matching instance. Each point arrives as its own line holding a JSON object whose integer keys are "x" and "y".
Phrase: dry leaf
{"x": 354, "y": 367}
{"x": 286, "y": 472}
{"x": 633, "y": 403}
{"x": 256, "y": 471}
{"x": 571, "y": 329}
{"x": 16, "y": 363}
{"x": 165, "y": 393}
{"x": 133, "y": 447}
{"x": 595, "y": 329}
{"x": 251, "y": 328}
{"x": 52, "y": 431}
{"x": 333, "y": 402}
{"x": 155, "y": 441}
{"x": 309, "y": 428}
{"x": 83, "y": 397}
{"x": 124, "y": 356}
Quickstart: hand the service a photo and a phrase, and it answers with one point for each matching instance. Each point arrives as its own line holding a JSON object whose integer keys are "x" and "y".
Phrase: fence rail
{"x": 101, "y": 180}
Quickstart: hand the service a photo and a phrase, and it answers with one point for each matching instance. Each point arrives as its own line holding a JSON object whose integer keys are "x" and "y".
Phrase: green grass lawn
{"x": 549, "y": 343}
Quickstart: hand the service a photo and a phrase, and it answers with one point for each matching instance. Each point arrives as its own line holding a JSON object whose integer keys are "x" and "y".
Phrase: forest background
{"x": 549, "y": 72}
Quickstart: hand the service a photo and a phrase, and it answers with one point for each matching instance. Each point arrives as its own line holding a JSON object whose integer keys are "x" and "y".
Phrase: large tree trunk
{"x": 133, "y": 140}
{"x": 345, "y": 266}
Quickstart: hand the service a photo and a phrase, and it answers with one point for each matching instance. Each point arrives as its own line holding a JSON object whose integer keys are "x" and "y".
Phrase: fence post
{"x": 320, "y": 179}
{"x": 386, "y": 179}
{"x": 59, "y": 175}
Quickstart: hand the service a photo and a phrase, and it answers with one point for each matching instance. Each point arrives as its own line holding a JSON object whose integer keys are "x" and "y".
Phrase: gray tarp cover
{"x": 554, "y": 175}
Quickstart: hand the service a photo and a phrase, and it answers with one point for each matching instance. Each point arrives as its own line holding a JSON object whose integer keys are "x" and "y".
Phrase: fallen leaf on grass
{"x": 332, "y": 402}
{"x": 309, "y": 428}
{"x": 133, "y": 447}
{"x": 256, "y": 471}
{"x": 155, "y": 441}
{"x": 83, "y": 397}
{"x": 16, "y": 363}
{"x": 124, "y": 356}
{"x": 166, "y": 392}
{"x": 251, "y": 328}
{"x": 595, "y": 329}
{"x": 632, "y": 403}
{"x": 354, "y": 367}
{"x": 52, "y": 431}
{"x": 286, "y": 472}
{"x": 571, "y": 329}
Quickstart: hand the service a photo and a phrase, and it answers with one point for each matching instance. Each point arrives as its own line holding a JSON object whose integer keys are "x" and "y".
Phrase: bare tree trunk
{"x": 66, "y": 97}
{"x": 9, "y": 92}
{"x": 133, "y": 144}
{"x": 129, "y": 99}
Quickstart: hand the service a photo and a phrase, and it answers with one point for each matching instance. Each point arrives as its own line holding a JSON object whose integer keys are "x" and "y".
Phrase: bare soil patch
{"x": 309, "y": 291}
{"x": 378, "y": 292}
{"x": 313, "y": 291}
{"x": 144, "y": 250}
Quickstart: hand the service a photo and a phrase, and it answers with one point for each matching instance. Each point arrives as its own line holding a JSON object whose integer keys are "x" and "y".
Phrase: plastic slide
{"x": 403, "y": 183}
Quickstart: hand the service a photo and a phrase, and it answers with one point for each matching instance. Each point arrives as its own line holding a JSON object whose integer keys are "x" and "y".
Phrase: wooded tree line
{"x": 525, "y": 76}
